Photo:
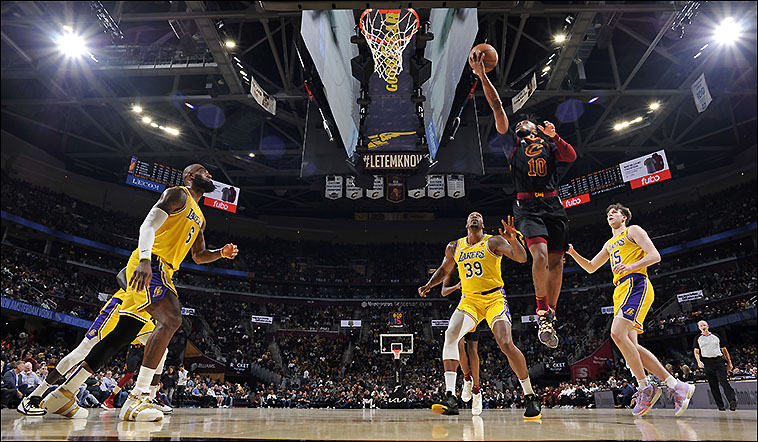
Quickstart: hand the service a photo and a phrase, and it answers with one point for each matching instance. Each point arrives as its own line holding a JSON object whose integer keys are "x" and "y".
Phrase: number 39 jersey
{"x": 478, "y": 266}
{"x": 624, "y": 251}
{"x": 175, "y": 237}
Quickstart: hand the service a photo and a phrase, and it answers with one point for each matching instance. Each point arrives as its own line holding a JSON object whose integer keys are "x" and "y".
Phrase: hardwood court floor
{"x": 389, "y": 425}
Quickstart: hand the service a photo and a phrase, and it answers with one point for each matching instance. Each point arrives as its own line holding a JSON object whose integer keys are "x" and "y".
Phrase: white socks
{"x": 144, "y": 379}
{"x": 642, "y": 382}
{"x": 526, "y": 384}
{"x": 450, "y": 381}
{"x": 41, "y": 389}
{"x": 670, "y": 382}
{"x": 153, "y": 391}
{"x": 78, "y": 378}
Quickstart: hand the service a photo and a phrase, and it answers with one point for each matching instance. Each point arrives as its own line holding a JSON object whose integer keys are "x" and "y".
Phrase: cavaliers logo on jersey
{"x": 533, "y": 149}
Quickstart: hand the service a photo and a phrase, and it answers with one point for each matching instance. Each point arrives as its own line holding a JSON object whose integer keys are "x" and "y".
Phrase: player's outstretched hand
{"x": 229, "y": 251}
{"x": 510, "y": 229}
{"x": 423, "y": 290}
{"x": 548, "y": 129}
{"x": 142, "y": 274}
{"x": 477, "y": 61}
{"x": 571, "y": 250}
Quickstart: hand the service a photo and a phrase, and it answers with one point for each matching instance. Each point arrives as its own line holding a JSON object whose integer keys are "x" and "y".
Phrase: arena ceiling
{"x": 634, "y": 54}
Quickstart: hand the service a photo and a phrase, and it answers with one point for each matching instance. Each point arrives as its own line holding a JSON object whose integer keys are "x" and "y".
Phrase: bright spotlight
{"x": 592, "y": 100}
{"x": 618, "y": 126}
{"x": 154, "y": 124}
{"x": 71, "y": 45}
{"x": 559, "y": 38}
{"x": 546, "y": 68}
{"x": 251, "y": 155}
{"x": 172, "y": 131}
{"x": 636, "y": 120}
{"x": 137, "y": 109}
{"x": 727, "y": 32}
{"x": 189, "y": 105}
{"x": 230, "y": 44}
{"x": 655, "y": 106}
{"x": 147, "y": 120}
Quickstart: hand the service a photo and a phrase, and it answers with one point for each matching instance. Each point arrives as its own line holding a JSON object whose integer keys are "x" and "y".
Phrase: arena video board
{"x": 224, "y": 197}
{"x": 645, "y": 170}
{"x": 152, "y": 176}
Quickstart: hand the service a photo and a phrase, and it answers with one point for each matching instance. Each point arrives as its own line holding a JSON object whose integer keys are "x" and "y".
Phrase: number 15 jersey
{"x": 478, "y": 266}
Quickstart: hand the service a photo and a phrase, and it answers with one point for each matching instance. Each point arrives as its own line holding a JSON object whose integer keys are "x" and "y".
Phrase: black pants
{"x": 715, "y": 372}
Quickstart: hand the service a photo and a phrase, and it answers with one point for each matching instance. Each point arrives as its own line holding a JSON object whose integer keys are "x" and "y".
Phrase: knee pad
{"x": 125, "y": 332}
{"x": 450, "y": 349}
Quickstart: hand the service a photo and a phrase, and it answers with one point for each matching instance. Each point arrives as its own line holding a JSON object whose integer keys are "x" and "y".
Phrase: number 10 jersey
{"x": 478, "y": 266}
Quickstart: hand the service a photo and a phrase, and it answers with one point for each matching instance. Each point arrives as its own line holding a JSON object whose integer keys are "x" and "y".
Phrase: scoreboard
{"x": 159, "y": 175}
{"x": 593, "y": 183}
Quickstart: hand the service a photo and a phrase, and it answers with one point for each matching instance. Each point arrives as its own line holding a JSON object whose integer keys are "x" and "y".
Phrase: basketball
{"x": 490, "y": 56}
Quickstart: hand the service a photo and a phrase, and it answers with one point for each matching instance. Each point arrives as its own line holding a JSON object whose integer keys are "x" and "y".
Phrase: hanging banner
{"x": 224, "y": 197}
{"x": 417, "y": 193}
{"x": 701, "y": 94}
{"x": 520, "y": 99}
{"x": 333, "y": 187}
{"x": 261, "y": 319}
{"x": 395, "y": 189}
{"x": 456, "y": 186}
{"x": 378, "y": 191}
{"x": 436, "y": 186}
{"x": 351, "y": 190}
{"x": 265, "y": 100}
{"x": 690, "y": 296}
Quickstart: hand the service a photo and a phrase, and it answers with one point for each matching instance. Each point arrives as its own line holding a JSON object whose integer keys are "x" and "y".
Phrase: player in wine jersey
{"x": 172, "y": 228}
{"x": 539, "y": 213}
{"x": 477, "y": 257}
{"x": 631, "y": 252}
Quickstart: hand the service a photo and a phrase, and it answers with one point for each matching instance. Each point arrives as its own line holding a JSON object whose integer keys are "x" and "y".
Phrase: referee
{"x": 710, "y": 353}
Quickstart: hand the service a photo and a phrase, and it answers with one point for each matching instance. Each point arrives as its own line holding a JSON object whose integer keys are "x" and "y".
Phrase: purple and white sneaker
{"x": 646, "y": 398}
{"x": 681, "y": 394}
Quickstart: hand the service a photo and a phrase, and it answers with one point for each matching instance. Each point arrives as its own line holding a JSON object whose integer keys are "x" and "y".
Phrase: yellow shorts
{"x": 633, "y": 297}
{"x": 159, "y": 285}
{"x": 108, "y": 318}
{"x": 492, "y": 306}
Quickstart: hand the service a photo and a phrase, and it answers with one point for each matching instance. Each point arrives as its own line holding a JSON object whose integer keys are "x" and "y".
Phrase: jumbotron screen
{"x": 159, "y": 173}
{"x": 593, "y": 183}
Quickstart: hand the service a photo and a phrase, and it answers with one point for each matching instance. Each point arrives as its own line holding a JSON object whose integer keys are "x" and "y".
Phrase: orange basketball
{"x": 490, "y": 56}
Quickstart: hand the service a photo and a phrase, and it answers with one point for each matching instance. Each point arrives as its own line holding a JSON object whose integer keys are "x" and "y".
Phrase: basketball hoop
{"x": 388, "y": 32}
{"x": 396, "y": 352}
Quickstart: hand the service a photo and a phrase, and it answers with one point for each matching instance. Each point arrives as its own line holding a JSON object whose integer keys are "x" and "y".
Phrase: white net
{"x": 388, "y": 32}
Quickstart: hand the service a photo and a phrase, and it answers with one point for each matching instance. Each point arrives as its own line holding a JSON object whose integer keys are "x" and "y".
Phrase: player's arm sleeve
{"x": 153, "y": 221}
{"x": 509, "y": 144}
{"x": 696, "y": 343}
{"x": 563, "y": 151}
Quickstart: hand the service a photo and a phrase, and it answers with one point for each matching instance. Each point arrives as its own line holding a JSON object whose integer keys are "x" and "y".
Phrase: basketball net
{"x": 397, "y": 351}
{"x": 388, "y": 32}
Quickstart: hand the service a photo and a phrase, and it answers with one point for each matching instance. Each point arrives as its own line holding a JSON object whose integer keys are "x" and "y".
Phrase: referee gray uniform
{"x": 715, "y": 368}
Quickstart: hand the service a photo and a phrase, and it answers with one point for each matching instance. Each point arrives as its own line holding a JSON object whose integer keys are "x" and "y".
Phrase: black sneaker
{"x": 448, "y": 406}
{"x": 722, "y": 409}
{"x": 533, "y": 410}
{"x": 546, "y": 329}
{"x": 733, "y": 405}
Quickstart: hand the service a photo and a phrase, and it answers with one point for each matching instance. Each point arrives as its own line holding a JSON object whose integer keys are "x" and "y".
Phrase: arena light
{"x": 655, "y": 106}
{"x": 189, "y": 105}
{"x": 71, "y": 45}
{"x": 251, "y": 155}
{"x": 154, "y": 124}
{"x": 559, "y": 38}
{"x": 592, "y": 100}
{"x": 728, "y": 31}
{"x": 546, "y": 68}
{"x": 137, "y": 109}
{"x": 172, "y": 130}
{"x": 147, "y": 120}
{"x": 230, "y": 44}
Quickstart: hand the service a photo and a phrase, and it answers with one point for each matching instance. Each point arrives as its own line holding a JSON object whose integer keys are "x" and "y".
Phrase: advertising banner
{"x": 440, "y": 322}
{"x": 262, "y": 319}
{"x": 644, "y": 166}
{"x": 224, "y": 197}
{"x": 690, "y": 296}
{"x": 350, "y": 323}
{"x": 576, "y": 201}
{"x": 594, "y": 364}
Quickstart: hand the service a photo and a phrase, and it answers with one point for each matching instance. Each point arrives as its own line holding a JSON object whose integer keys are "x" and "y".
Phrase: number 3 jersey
{"x": 478, "y": 267}
{"x": 175, "y": 237}
{"x": 624, "y": 251}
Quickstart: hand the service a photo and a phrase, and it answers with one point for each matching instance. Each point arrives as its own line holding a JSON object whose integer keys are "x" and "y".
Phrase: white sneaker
{"x": 476, "y": 405}
{"x": 164, "y": 408}
{"x": 466, "y": 392}
{"x": 63, "y": 403}
{"x": 140, "y": 409}
{"x": 28, "y": 409}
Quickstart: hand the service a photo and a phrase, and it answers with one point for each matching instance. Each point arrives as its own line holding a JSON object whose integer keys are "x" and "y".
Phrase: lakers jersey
{"x": 478, "y": 267}
{"x": 623, "y": 251}
{"x": 175, "y": 237}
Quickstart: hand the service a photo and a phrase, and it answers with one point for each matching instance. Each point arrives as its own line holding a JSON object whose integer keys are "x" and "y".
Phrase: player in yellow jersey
{"x": 172, "y": 228}
{"x": 477, "y": 257}
{"x": 631, "y": 252}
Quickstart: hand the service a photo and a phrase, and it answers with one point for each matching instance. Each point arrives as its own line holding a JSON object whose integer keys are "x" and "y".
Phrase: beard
{"x": 205, "y": 185}
{"x": 523, "y": 133}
